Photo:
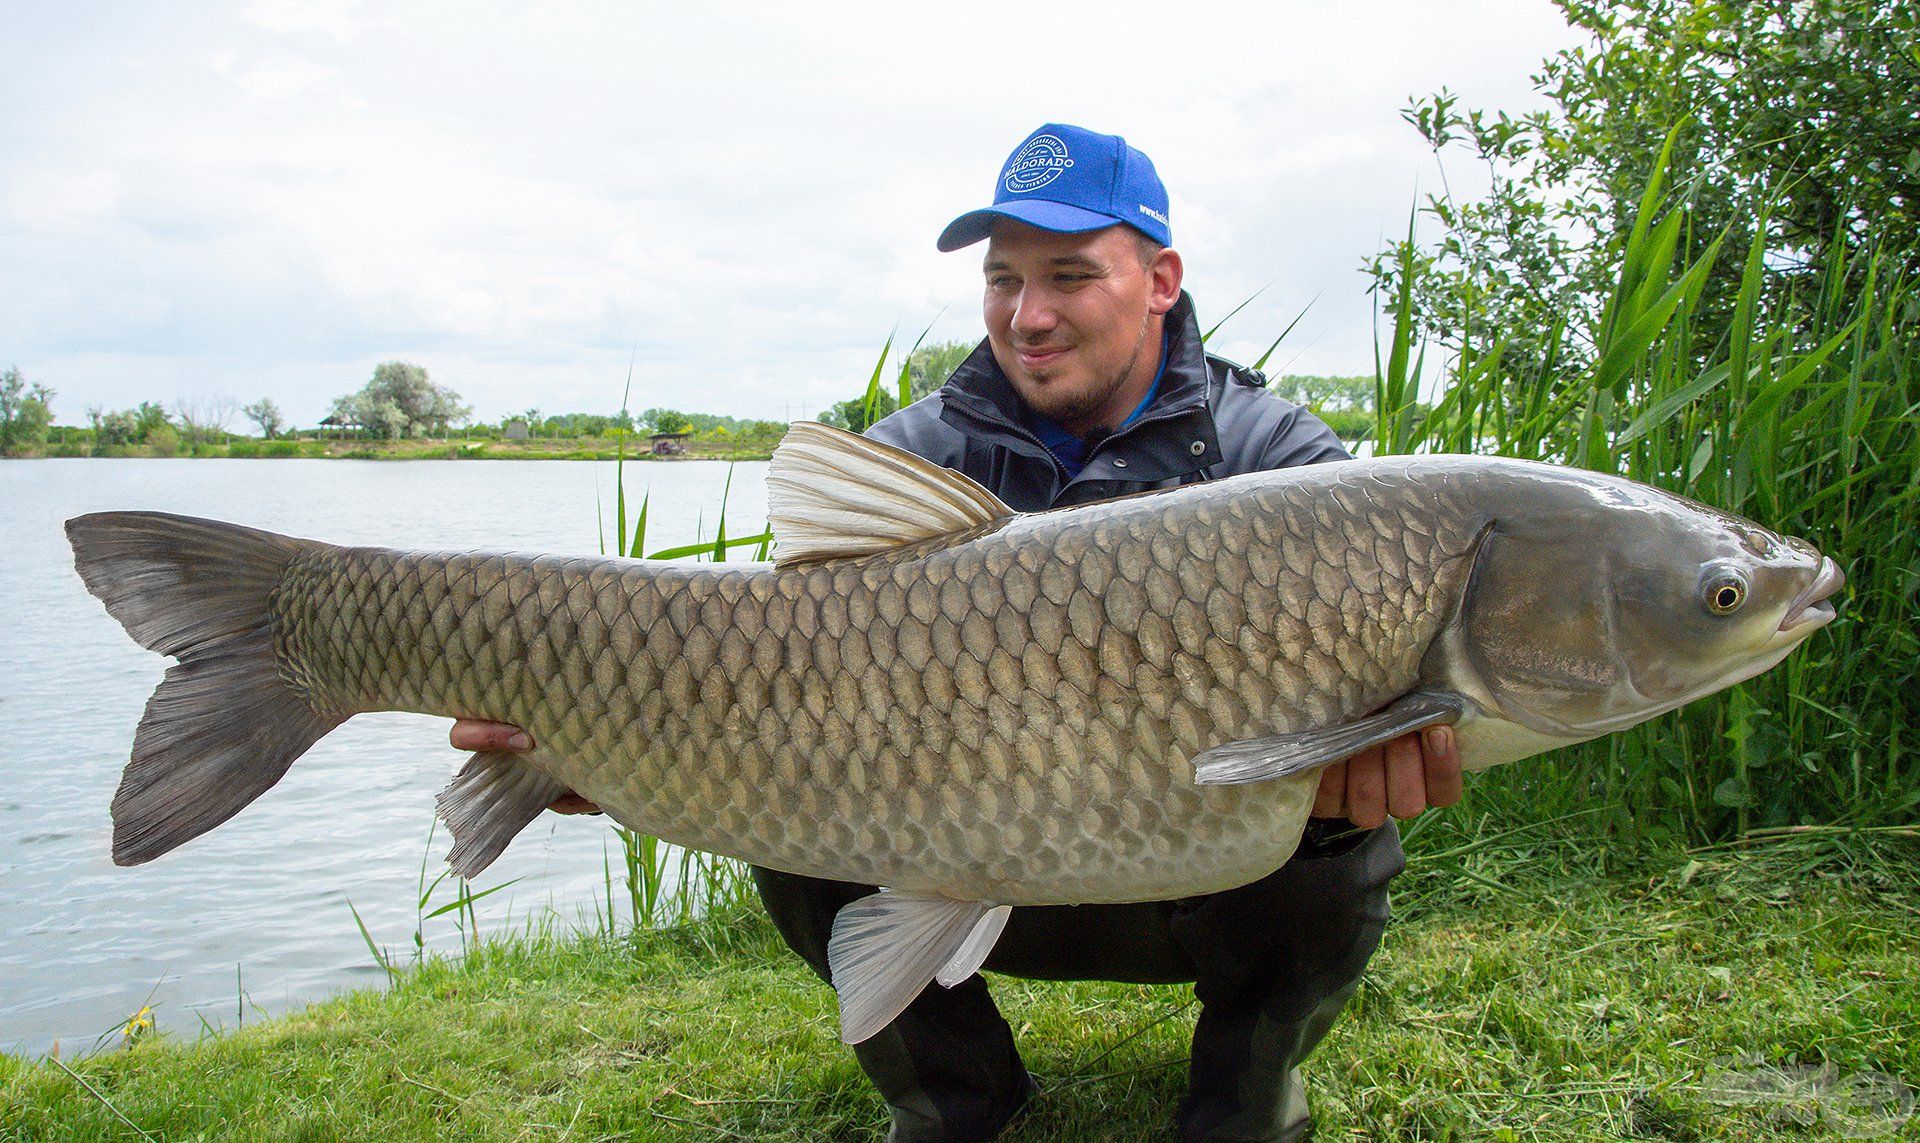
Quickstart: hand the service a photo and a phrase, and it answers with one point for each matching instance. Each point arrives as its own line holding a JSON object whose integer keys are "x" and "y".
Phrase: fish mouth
{"x": 1810, "y": 608}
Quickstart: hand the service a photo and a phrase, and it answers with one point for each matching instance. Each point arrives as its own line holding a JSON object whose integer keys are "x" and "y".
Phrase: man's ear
{"x": 1164, "y": 274}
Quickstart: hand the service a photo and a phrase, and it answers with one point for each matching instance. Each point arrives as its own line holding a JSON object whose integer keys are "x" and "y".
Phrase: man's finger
{"x": 477, "y": 735}
{"x": 1406, "y": 777}
{"x": 1330, "y": 801}
{"x": 572, "y": 803}
{"x": 1440, "y": 747}
{"x": 1367, "y": 788}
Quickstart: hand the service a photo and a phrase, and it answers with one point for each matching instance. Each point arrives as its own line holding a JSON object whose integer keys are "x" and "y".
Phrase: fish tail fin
{"x": 224, "y": 724}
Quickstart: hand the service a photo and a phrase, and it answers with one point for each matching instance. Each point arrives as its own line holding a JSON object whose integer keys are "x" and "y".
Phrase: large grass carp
{"x": 972, "y": 707}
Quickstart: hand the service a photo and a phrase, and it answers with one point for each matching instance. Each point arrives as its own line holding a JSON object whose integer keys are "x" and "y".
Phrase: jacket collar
{"x": 980, "y": 401}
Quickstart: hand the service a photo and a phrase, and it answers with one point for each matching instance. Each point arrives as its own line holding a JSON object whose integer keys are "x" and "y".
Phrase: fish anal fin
{"x": 887, "y": 946}
{"x": 833, "y": 494}
{"x": 973, "y": 951}
{"x": 492, "y": 798}
{"x": 1284, "y": 755}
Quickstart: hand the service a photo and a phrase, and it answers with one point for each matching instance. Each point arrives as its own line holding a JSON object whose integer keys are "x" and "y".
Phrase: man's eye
{"x": 1070, "y": 278}
{"x": 999, "y": 283}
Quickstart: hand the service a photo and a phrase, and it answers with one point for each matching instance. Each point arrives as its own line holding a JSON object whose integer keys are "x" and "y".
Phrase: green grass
{"x": 1587, "y": 998}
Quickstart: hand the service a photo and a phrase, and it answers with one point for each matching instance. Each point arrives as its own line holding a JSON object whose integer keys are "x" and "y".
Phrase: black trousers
{"x": 1272, "y": 964}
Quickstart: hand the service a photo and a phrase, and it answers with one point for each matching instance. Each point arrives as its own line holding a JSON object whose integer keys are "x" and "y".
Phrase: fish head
{"x": 1606, "y": 603}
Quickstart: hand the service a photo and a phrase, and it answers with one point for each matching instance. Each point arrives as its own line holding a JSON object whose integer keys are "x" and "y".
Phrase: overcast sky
{"x": 266, "y": 199}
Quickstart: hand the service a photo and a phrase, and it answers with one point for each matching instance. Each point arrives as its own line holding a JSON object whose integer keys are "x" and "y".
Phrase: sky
{"x": 739, "y": 201}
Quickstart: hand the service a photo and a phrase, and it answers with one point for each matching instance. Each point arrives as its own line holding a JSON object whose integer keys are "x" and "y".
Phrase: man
{"x": 1092, "y": 383}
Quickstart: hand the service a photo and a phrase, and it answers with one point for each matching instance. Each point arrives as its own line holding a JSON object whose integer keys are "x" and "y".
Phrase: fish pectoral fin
{"x": 492, "y": 798}
{"x": 887, "y": 946}
{"x": 1283, "y": 755}
{"x": 833, "y": 494}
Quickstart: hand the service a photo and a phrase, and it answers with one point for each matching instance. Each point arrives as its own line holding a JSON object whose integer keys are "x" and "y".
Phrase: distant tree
{"x": 25, "y": 412}
{"x": 401, "y": 401}
{"x": 163, "y": 441}
{"x": 265, "y": 414}
{"x": 667, "y": 421}
{"x": 853, "y": 414}
{"x": 566, "y": 425}
{"x": 205, "y": 419}
{"x": 126, "y": 427}
{"x": 114, "y": 429}
{"x": 149, "y": 417}
{"x": 931, "y": 365}
{"x": 1324, "y": 394}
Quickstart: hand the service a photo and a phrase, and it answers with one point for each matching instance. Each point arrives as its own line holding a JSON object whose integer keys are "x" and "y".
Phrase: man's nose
{"x": 1034, "y": 314}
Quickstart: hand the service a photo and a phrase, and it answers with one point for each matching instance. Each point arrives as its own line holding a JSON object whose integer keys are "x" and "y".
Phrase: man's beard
{"x": 1079, "y": 407}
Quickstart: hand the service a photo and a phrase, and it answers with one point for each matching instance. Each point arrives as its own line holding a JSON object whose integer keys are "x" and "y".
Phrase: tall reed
{"x": 666, "y": 884}
{"x": 1804, "y": 414}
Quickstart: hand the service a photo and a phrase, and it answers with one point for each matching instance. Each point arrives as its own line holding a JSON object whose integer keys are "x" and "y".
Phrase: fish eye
{"x": 1725, "y": 593}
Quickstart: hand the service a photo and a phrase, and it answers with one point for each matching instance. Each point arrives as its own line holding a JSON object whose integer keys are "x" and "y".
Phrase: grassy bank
{"x": 1539, "y": 997}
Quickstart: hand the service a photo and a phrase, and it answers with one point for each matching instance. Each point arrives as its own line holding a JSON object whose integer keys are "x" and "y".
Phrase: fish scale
{"x": 1009, "y": 714}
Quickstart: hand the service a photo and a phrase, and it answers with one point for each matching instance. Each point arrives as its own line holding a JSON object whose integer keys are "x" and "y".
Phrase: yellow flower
{"x": 142, "y": 1021}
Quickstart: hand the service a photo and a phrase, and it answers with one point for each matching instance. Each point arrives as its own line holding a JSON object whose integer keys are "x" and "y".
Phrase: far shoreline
{"x": 308, "y": 449}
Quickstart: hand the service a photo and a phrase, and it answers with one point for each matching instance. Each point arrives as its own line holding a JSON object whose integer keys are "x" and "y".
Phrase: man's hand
{"x": 1402, "y": 778}
{"x": 503, "y": 737}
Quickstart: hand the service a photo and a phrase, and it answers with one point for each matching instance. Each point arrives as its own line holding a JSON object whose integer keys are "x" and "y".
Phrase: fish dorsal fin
{"x": 834, "y": 494}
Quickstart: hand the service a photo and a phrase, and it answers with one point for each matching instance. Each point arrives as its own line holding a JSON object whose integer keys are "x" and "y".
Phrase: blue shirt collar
{"x": 1071, "y": 451}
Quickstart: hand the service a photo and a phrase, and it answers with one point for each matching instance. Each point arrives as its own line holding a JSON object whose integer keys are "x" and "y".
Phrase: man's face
{"x": 1072, "y": 318}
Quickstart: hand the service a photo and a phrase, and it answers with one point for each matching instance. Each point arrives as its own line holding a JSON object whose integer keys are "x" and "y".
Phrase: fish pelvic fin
{"x": 223, "y": 725}
{"x": 492, "y": 798}
{"x": 888, "y": 946}
{"x": 832, "y": 494}
{"x": 1284, "y": 755}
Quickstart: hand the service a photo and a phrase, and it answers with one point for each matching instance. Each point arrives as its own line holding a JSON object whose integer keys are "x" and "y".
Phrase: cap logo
{"x": 1038, "y": 163}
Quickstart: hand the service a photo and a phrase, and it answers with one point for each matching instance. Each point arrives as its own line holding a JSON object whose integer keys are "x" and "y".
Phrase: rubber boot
{"x": 946, "y": 1066}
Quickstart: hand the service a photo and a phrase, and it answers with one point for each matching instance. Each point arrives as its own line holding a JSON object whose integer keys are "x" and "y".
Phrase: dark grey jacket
{"x": 1211, "y": 418}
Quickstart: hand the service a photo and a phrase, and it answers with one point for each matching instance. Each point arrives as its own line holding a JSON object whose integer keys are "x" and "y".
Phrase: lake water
{"x": 253, "y": 917}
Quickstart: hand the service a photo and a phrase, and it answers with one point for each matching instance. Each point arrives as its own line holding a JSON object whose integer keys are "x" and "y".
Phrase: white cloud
{"x": 274, "y": 197}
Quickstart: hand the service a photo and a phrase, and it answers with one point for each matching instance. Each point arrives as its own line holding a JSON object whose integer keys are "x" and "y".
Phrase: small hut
{"x": 340, "y": 425}
{"x": 668, "y": 444}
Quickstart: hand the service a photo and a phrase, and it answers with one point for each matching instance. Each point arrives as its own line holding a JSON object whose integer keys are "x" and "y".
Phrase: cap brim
{"x": 1041, "y": 213}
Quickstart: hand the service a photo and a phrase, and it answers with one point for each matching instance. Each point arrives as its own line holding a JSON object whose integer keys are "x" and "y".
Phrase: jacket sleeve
{"x": 1259, "y": 431}
{"x": 1298, "y": 437}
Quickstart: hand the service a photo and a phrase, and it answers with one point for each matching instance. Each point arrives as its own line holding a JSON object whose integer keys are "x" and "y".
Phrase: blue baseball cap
{"x": 1070, "y": 180}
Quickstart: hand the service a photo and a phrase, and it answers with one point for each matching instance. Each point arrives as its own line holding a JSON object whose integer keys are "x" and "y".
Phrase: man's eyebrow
{"x": 1078, "y": 261}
